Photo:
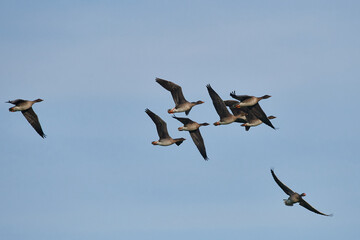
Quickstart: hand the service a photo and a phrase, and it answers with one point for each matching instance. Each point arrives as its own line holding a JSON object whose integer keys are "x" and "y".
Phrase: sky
{"x": 97, "y": 175}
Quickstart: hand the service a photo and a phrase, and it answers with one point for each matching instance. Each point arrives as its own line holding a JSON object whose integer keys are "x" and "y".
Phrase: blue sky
{"x": 97, "y": 176}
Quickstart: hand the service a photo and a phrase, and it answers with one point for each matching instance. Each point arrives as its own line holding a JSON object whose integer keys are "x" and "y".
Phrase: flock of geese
{"x": 245, "y": 110}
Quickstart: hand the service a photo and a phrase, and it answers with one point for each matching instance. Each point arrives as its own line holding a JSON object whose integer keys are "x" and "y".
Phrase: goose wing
{"x": 176, "y": 91}
{"x": 250, "y": 116}
{"x": 239, "y": 97}
{"x": 260, "y": 114}
{"x": 33, "y": 119}
{"x": 311, "y": 208}
{"x": 234, "y": 110}
{"x": 161, "y": 126}
{"x": 231, "y": 103}
{"x": 218, "y": 103}
{"x": 183, "y": 120}
{"x": 199, "y": 142}
{"x": 285, "y": 188}
{"x": 16, "y": 101}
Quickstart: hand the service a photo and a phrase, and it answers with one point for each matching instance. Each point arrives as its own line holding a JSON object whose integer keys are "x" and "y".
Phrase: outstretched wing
{"x": 199, "y": 142}
{"x": 176, "y": 91}
{"x": 161, "y": 126}
{"x": 239, "y": 97}
{"x": 260, "y": 114}
{"x": 16, "y": 101}
{"x": 183, "y": 120}
{"x": 231, "y": 103}
{"x": 236, "y": 111}
{"x": 218, "y": 103}
{"x": 285, "y": 188}
{"x": 311, "y": 208}
{"x": 33, "y": 119}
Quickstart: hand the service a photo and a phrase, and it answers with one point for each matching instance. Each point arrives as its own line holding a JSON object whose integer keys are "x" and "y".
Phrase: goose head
{"x": 198, "y": 102}
{"x": 265, "y": 97}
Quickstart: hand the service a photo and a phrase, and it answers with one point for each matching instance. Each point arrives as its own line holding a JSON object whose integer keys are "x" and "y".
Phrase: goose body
{"x": 193, "y": 128}
{"x": 165, "y": 142}
{"x": 253, "y": 121}
{"x": 246, "y": 100}
{"x": 295, "y": 197}
{"x": 181, "y": 104}
{"x": 25, "y": 106}
{"x": 161, "y": 127}
{"x": 22, "y": 105}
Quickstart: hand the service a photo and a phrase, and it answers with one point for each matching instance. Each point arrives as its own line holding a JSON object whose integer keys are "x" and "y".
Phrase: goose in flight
{"x": 164, "y": 138}
{"x": 25, "y": 106}
{"x": 193, "y": 128}
{"x": 253, "y": 121}
{"x": 181, "y": 104}
{"x": 225, "y": 116}
{"x": 294, "y": 197}
{"x": 246, "y": 100}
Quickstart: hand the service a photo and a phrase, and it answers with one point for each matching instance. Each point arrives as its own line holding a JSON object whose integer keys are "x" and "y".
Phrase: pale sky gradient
{"x": 97, "y": 176}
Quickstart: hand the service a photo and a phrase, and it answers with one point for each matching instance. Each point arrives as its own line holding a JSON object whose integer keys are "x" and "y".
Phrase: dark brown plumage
{"x": 33, "y": 119}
